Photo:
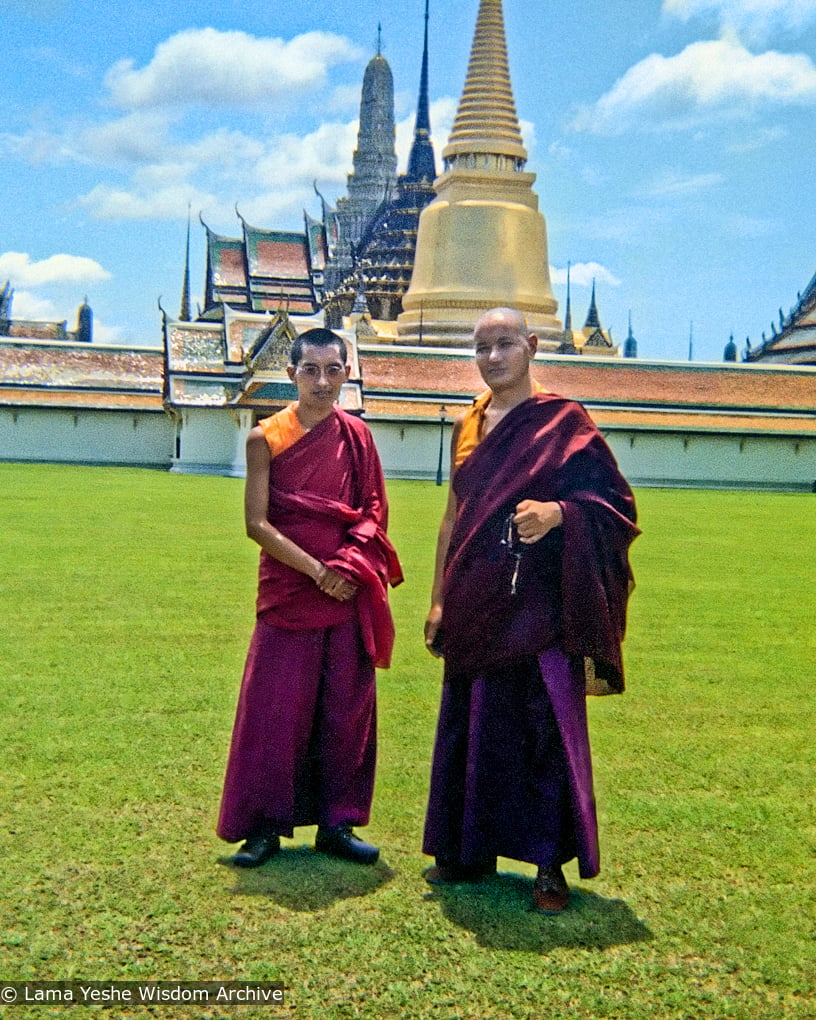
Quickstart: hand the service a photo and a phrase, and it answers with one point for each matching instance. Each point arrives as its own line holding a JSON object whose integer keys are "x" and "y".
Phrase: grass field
{"x": 126, "y": 602}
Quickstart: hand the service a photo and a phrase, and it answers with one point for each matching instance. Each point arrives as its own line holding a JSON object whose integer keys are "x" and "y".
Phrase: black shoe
{"x": 340, "y": 841}
{"x": 256, "y": 851}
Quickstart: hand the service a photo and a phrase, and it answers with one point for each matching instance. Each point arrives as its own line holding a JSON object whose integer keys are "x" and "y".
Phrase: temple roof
{"x": 40, "y": 373}
{"x": 262, "y": 270}
{"x": 315, "y": 242}
{"x": 226, "y": 269}
{"x": 637, "y": 394}
{"x": 795, "y": 343}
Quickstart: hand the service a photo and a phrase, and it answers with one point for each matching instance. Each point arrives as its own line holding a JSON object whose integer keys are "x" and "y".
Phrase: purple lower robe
{"x": 303, "y": 746}
{"x": 512, "y": 771}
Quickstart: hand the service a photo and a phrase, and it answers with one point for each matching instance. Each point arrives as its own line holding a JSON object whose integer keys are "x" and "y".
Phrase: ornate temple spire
{"x": 421, "y": 162}
{"x": 184, "y": 312}
{"x": 375, "y": 158}
{"x": 384, "y": 255}
{"x": 6, "y": 297}
{"x": 482, "y": 242}
{"x": 568, "y": 312}
{"x": 568, "y": 343}
{"x": 374, "y": 177}
{"x": 630, "y": 344}
{"x": 486, "y": 121}
{"x": 84, "y": 330}
{"x": 592, "y": 320}
{"x": 360, "y": 306}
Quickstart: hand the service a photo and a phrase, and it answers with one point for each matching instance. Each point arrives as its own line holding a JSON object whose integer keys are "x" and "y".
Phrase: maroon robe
{"x": 512, "y": 768}
{"x": 304, "y": 742}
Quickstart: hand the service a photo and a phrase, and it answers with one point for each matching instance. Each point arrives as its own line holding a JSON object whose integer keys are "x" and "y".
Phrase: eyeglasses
{"x": 512, "y": 547}
{"x": 314, "y": 371}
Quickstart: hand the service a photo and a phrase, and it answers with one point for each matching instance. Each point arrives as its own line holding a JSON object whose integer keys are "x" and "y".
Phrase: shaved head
{"x": 509, "y": 317}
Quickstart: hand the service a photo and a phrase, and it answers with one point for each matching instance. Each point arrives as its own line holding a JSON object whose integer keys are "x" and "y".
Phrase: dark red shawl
{"x": 327, "y": 494}
{"x": 573, "y": 584}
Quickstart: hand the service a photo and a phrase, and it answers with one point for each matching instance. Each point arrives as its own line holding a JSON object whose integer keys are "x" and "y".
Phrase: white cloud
{"x": 757, "y": 18}
{"x": 22, "y": 272}
{"x": 145, "y": 200}
{"x": 270, "y": 179}
{"x": 213, "y": 68}
{"x": 559, "y": 151}
{"x": 105, "y": 334}
{"x": 136, "y": 138}
{"x": 324, "y": 154}
{"x": 216, "y": 170}
{"x": 753, "y": 227}
{"x": 224, "y": 149}
{"x": 673, "y": 183}
{"x": 756, "y": 140}
{"x": 708, "y": 78}
{"x": 528, "y": 135}
{"x": 584, "y": 274}
{"x": 37, "y": 147}
{"x": 133, "y": 139}
{"x": 26, "y": 305}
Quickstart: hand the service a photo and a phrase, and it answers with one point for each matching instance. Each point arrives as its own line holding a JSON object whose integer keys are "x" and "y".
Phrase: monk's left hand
{"x": 533, "y": 519}
{"x": 335, "y": 585}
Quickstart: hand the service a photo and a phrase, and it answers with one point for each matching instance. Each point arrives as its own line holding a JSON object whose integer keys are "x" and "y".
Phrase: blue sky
{"x": 672, "y": 143}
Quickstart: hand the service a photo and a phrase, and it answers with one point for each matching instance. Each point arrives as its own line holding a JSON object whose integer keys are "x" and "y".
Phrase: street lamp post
{"x": 441, "y": 444}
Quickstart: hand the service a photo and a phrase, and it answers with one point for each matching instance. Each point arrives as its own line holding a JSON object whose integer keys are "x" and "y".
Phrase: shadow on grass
{"x": 499, "y": 912}
{"x": 299, "y": 879}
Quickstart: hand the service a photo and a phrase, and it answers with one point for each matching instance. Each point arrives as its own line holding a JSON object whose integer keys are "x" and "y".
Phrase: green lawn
{"x": 126, "y": 600}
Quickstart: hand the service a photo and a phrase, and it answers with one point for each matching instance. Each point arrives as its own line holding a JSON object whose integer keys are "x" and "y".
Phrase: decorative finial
{"x": 184, "y": 311}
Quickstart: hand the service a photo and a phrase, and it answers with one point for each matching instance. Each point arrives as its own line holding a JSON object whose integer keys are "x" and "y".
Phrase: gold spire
{"x": 486, "y": 120}
{"x": 482, "y": 242}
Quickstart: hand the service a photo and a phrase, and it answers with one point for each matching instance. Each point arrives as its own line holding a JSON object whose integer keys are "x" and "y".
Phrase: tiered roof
{"x": 795, "y": 342}
{"x": 41, "y": 373}
{"x": 262, "y": 270}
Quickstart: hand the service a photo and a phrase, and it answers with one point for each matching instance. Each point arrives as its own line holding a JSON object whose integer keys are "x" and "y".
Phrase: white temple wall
{"x": 211, "y": 441}
{"x": 411, "y": 449}
{"x": 63, "y": 435}
{"x": 715, "y": 460}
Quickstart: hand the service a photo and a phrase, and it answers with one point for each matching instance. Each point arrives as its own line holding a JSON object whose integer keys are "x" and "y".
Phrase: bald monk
{"x": 304, "y": 742}
{"x": 529, "y": 600}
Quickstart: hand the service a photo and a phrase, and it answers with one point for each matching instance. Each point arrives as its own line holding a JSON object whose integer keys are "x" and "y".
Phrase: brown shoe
{"x": 550, "y": 891}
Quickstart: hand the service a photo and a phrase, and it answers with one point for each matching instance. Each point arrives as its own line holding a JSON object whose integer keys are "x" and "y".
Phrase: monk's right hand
{"x": 432, "y": 624}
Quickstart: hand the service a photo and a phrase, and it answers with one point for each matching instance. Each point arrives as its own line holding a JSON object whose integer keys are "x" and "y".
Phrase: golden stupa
{"x": 482, "y": 241}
